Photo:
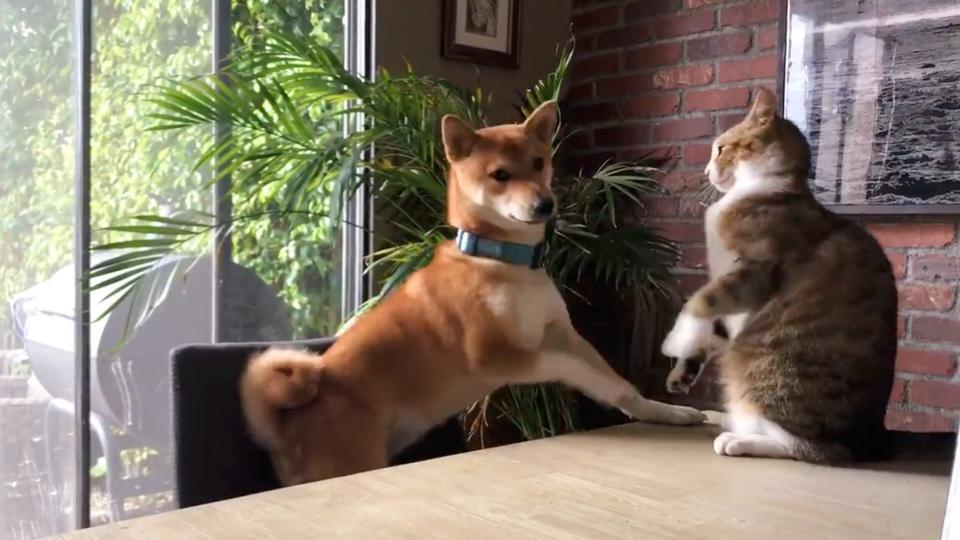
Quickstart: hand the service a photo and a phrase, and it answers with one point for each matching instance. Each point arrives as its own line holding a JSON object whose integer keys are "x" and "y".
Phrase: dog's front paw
{"x": 679, "y": 415}
{"x": 663, "y": 413}
{"x": 690, "y": 337}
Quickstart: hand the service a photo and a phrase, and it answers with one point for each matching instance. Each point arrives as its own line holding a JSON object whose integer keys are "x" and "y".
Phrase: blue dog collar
{"x": 508, "y": 252}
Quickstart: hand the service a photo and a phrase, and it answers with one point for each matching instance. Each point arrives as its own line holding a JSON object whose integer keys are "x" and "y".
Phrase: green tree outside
{"x": 138, "y": 44}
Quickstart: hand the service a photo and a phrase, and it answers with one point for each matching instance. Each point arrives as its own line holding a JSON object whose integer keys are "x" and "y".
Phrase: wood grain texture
{"x": 633, "y": 481}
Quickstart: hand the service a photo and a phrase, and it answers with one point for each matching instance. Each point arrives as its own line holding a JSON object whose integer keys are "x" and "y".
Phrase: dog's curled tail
{"x": 274, "y": 381}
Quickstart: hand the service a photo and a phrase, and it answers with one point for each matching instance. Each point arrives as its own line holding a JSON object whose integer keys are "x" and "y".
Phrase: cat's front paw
{"x": 690, "y": 337}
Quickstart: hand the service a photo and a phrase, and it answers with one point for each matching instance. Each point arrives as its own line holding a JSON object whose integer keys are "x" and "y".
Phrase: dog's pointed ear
{"x": 458, "y": 137}
{"x": 764, "y": 106}
{"x": 542, "y": 123}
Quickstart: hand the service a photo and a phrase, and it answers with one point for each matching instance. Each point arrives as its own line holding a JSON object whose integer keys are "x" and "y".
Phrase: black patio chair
{"x": 215, "y": 458}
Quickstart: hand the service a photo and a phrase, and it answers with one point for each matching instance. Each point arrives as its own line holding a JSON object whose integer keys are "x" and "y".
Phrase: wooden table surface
{"x": 630, "y": 482}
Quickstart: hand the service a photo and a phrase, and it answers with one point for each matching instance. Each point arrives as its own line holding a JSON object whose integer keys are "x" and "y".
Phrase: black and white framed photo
{"x": 875, "y": 86}
{"x": 482, "y": 31}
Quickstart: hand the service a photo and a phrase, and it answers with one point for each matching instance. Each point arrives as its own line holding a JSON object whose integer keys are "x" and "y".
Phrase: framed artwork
{"x": 874, "y": 86}
{"x": 482, "y": 31}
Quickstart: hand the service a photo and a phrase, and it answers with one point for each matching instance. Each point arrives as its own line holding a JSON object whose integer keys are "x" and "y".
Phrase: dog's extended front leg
{"x": 570, "y": 359}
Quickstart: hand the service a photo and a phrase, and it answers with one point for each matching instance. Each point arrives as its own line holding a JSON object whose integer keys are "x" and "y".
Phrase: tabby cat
{"x": 807, "y": 299}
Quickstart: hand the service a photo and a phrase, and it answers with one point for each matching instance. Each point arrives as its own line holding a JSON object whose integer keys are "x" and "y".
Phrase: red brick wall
{"x": 665, "y": 77}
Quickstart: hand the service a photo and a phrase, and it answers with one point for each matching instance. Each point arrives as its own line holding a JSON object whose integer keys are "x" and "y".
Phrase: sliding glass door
{"x": 263, "y": 275}
{"x": 37, "y": 206}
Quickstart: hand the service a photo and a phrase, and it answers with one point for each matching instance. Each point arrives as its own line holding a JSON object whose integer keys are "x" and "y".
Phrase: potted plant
{"x": 286, "y": 101}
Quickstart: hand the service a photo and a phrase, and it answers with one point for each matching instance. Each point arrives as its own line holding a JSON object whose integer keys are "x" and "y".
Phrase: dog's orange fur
{"x": 455, "y": 331}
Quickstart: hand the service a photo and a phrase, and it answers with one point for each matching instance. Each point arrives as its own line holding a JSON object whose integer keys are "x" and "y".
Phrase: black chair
{"x": 215, "y": 458}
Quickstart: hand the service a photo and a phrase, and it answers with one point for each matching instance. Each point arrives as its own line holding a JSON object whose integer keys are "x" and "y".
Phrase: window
{"x": 278, "y": 278}
{"x": 870, "y": 84}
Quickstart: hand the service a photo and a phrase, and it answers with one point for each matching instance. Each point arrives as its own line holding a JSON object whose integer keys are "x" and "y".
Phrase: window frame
{"x": 357, "y": 239}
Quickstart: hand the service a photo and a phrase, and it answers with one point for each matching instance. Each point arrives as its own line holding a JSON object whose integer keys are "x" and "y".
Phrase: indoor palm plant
{"x": 287, "y": 101}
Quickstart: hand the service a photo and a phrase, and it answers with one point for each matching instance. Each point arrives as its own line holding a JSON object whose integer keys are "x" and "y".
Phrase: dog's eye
{"x": 719, "y": 150}
{"x": 500, "y": 175}
{"x": 538, "y": 164}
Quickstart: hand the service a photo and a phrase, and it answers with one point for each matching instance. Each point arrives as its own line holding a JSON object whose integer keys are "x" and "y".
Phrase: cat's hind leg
{"x": 734, "y": 444}
{"x": 749, "y": 435}
{"x": 730, "y": 443}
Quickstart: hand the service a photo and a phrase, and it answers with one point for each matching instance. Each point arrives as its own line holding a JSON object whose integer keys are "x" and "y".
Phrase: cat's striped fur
{"x": 809, "y": 300}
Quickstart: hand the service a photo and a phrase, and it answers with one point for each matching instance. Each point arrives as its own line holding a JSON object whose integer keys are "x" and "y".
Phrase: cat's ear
{"x": 542, "y": 123}
{"x": 458, "y": 137}
{"x": 764, "y": 106}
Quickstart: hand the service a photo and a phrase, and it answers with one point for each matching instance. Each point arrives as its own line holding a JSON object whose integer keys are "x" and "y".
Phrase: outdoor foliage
{"x": 139, "y": 43}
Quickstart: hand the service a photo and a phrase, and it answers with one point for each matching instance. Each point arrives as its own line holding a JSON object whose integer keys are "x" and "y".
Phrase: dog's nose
{"x": 544, "y": 208}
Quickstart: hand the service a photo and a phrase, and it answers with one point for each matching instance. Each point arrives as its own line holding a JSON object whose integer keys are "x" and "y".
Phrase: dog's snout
{"x": 544, "y": 208}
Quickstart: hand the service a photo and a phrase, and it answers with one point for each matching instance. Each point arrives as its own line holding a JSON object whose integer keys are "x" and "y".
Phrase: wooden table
{"x": 631, "y": 482}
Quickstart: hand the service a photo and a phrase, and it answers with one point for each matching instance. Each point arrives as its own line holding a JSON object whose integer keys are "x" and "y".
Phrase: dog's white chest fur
{"x": 529, "y": 308}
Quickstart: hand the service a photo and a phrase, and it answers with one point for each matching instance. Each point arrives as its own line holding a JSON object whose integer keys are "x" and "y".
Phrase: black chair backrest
{"x": 215, "y": 458}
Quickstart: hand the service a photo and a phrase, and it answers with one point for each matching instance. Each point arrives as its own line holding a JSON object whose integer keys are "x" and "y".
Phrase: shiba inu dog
{"x": 481, "y": 315}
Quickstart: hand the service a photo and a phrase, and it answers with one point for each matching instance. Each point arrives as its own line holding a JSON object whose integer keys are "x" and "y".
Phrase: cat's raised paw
{"x": 690, "y": 337}
{"x": 684, "y": 374}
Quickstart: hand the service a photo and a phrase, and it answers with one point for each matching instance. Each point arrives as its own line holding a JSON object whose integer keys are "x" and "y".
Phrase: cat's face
{"x": 762, "y": 146}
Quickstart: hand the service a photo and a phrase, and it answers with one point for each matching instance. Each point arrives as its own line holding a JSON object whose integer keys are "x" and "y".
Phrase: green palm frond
{"x": 310, "y": 72}
{"x": 549, "y": 88}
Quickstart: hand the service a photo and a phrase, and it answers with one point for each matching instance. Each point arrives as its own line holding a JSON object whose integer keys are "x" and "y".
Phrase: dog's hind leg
{"x": 348, "y": 446}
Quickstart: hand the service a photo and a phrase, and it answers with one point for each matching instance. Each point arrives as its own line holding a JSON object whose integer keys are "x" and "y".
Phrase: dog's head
{"x": 500, "y": 176}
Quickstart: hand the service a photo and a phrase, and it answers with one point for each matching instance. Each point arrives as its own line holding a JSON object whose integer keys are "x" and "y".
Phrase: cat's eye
{"x": 500, "y": 175}
{"x": 538, "y": 164}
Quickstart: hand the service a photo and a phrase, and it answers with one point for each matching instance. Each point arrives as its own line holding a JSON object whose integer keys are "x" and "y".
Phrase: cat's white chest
{"x": 720, "y": 260}
{"x": 528, "y": 309}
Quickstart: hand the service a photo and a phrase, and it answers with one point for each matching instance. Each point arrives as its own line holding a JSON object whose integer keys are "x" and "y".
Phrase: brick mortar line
{"x": 931, "y": 346}
{"x": 685, "y": 38}
{"x": 927, "y": 377}
{"x": 909, "y": 406}
{"x": 652, "y": 70}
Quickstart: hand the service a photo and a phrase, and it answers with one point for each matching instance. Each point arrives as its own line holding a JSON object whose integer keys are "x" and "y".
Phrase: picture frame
{"x": 482, "y": 32}
{"x": 869, "y": 84}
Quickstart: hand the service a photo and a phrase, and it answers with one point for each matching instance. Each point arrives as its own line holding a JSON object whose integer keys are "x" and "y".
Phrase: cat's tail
{"x": 274, "y": 381}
